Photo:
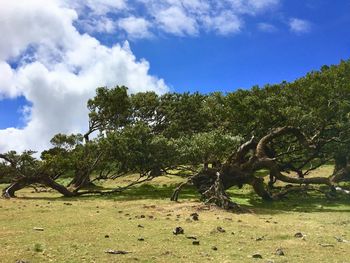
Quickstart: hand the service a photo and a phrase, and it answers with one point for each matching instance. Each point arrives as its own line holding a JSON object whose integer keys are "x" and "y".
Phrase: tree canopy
{"x": 217, "y": 140}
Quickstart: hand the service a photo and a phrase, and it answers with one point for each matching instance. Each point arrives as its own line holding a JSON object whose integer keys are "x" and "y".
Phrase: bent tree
{"x": 216, "y": 140}
{"x": 252, "y": 156}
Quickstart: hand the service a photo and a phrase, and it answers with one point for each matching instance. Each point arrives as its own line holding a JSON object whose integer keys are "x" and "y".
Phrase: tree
{"x": 218, "y": 140}
{"x": 109, "y": 110}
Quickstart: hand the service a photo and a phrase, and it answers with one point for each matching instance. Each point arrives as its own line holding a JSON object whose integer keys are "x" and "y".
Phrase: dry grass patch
{"x": 81, "y": 230}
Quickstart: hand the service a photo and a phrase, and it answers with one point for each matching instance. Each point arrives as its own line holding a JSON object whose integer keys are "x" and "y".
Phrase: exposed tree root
{"x": 240, "y": 168}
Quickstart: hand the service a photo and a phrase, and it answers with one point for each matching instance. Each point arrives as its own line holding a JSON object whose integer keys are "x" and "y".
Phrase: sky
{"x": 55, "y": 53}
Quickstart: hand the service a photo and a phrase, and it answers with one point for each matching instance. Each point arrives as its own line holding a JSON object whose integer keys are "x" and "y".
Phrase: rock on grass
{"x": 117, "y": 252}
{"x": 257, "y": 255}
{"x": 178, "y": 231}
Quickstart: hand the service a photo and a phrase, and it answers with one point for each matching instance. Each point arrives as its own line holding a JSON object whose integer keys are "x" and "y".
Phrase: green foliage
{"x": 148, "y": 133}
{"x": 109, "y": 109}
{"x": 16, "y": 165}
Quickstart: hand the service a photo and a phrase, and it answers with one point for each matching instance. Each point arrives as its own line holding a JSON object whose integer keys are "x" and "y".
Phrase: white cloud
{"x": 225, "y": 23}
{"x": 98, "y": 7}
{"x": 46, "y": 58}
{"x": 299, "y": 26}
{"x": 262, "y": 5}
{"x": 36, "y": 21}
{"x": 173, "y": 17}
{"x": 136, "y": 27}
{"x": 99, "y": 25}
{"x": 252, "y": 7}
{"x": 63, "y": 71}
{"x": 6, "y": 81}
{"x": 174, "y": 20}
{"x": 266, "y": 27}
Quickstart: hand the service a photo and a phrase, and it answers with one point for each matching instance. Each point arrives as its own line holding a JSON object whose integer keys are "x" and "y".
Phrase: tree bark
{"x": 80, "y": 180}
{"x": 240, "y": 168}
{"x": 20, "y": 183}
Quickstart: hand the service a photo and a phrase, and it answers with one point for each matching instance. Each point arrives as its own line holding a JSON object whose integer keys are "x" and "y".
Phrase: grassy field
{"x": 141, "y": 221}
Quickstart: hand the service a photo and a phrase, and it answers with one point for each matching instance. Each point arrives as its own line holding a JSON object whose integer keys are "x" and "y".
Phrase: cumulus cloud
{"x": 173, "y": 17}
{"x": 135, "y": 27}
{"x": 175, "y": 20}
{"x": 50, "y": 54}
{"x": 299, "y": 26}
{"x": 63, "y": 70}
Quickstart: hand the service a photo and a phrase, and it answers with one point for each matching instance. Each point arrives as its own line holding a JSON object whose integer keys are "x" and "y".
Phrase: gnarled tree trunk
{"x": 240, "y": 168}
{"x": 20, "y": 183}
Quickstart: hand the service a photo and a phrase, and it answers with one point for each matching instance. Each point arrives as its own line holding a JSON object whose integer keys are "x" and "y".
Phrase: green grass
{"x": 75, "y": 229}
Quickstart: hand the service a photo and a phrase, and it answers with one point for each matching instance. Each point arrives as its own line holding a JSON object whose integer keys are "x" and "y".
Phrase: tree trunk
{"x": 9, "y": 191}
{"x": 240, "y": 168}
{"x": 341, "y": 170}
{"x": 80, "y": 180}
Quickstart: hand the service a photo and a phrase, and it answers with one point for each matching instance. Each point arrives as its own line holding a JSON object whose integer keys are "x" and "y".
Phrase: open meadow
{"x": 45, "y": 227}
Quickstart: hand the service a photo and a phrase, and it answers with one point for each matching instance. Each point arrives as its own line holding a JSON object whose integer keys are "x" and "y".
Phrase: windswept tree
{"x": 217, "y": 140}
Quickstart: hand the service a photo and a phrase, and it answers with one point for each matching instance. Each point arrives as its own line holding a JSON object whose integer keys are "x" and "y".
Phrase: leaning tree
{"x": 243, "y": 164}
{"x": 218, "y": 140}
{"x": 298, "y": 127}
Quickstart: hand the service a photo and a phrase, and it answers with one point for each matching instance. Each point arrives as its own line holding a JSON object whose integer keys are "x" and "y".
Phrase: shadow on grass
{"x": 307, "y": 203}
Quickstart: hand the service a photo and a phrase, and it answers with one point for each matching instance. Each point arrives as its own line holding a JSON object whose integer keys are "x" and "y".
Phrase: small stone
{"x": 106, "y": 236}
{"x": 195, "y": 216}
{"x": 259, "y": 239}
{"x": 257, "y": 255}
{"x": 38, "y": 229}
{"x": 142, "y": 216}
{"x": 196, "y": 242}
{"x": 150, "y": 217}
{"x": 214, "y": 248}
{"x": 298, "y": 235}
{"x": 220, "y": 229}
{"x": 140, "y": 226}
{"x": 191, "y": 237}
{"x": 279, "y": 252}
{"x": 141, "y": 239}
{"x": 178, "y": 231}
{"x": 67, "y": 203}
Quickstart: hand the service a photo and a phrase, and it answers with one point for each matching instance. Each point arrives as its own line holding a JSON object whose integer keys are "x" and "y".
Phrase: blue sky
{"x": 51, "y": 64}
{"x": 209, "y": 63}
